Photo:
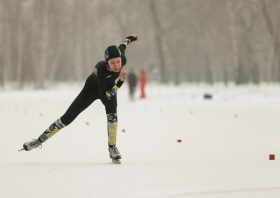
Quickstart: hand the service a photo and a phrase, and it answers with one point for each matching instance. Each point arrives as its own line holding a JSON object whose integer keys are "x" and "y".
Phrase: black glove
{"x": 128, "y": 40}
{"x": 131, "y": 38}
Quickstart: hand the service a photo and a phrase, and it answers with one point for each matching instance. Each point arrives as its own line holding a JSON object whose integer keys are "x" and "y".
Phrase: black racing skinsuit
{"x": 96, "y": 86}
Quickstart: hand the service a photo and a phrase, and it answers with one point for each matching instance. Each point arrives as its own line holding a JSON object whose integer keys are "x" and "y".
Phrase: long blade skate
{"x": 116, "y": 161}
{"x": 31, "y": 145}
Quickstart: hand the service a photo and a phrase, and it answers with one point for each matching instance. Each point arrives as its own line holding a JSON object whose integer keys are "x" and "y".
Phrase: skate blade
{"x": 21, "y": 150}
{"x": 116, "y": 161}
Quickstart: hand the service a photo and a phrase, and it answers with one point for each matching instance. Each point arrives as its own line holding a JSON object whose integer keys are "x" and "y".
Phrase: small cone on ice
{"x": 271, "y": 157}
{"x": 87, "y": 123}
{"x": 179, "y": 140}
{"x": 123, "y": 130}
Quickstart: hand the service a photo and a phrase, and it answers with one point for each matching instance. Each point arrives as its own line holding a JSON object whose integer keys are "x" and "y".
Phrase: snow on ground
{"x": 224, "y": 151}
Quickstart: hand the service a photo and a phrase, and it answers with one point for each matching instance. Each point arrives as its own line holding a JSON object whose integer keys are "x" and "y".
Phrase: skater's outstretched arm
{"x": 129, "y": 39}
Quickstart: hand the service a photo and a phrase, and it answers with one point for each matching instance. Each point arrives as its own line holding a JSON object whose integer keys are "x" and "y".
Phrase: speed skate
{"x": 116, "y": 161}
{"x": 115, "y": 155}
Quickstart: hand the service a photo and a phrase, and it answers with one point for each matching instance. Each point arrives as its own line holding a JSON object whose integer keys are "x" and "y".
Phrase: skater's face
{"x": 115, "y": 64}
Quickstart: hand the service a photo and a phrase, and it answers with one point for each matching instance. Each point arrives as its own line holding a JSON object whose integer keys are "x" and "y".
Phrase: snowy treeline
{"x": 43, "y": 41}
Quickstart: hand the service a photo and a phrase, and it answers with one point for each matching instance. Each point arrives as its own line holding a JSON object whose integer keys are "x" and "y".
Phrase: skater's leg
{"x": 82, "y": 101}
{"x": 53, "y": 129}
{"x": 112, "y": 126}
{"x": 133, "y": 91}
{"x": 130, "y": 92}
{"x": 112, "y": 136}
{"x": 142, "y": 90}
{"x": 112, "y": 120}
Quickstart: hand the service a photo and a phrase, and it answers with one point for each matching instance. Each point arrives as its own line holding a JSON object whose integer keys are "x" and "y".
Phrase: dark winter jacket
{"x": 103, "y": 79}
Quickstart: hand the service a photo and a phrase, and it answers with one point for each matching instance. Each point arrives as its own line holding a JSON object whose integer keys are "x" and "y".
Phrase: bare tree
{"x": 7, "y": 68}
{"x": 1, "y": 41}
{"x": 60, "y": 44}
{"x": 159, "y": 33}
{"x": 232, "y": 24}
{"x": 97, "y": 29}
{"x": 274, "y": 40}
{"x": 19, "y": 44}
{"x": 188, "y": 40}
{"x": 44, "y": 46}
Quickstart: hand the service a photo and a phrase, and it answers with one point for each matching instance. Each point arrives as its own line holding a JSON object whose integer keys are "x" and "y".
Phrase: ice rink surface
{"x": 224, "y": 153}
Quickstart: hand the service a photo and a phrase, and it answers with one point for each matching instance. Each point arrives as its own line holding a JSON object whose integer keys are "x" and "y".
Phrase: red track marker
{"x": 271, "y": 157}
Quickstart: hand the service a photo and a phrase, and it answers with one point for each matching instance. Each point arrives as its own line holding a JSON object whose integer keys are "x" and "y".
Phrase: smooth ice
{"x": 225, "y": 148}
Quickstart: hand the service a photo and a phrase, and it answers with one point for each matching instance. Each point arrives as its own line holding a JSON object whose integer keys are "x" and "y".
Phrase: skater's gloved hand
{"x": 122, "y": 75}
{"x": 129, "y": 39}
{"x": 132, "y": 37}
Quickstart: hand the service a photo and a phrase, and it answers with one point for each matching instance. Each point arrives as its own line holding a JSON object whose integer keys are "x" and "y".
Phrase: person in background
{"x": 132, "y": 81}
{"x": 143, "y": 81}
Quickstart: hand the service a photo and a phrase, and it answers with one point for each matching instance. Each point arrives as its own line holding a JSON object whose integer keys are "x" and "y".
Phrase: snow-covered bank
{"x": 252, "y": 95}
{"x": 224, "y": 150}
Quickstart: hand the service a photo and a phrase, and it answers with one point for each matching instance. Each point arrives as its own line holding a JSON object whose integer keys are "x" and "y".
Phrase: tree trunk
{"x": 20, "y": 46}
{"x": 159, "y": 41}
{"x": 275, "y": 41}
{"x": 60, "y": 46}
{"x": 42, "y": 67}
{"x": 233, "y": 34}
{"x": 34, "y": 42}
{"x": 97, "y": 31}
{"x": 8, "y": 58}
{"x": 88, "y": 40}
{"x": 2, "y": 24}
{"x": 78, "y": 42}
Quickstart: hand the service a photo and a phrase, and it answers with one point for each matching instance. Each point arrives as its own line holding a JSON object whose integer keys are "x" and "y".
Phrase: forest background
{"x": 192, "y": 41}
